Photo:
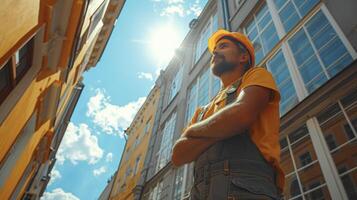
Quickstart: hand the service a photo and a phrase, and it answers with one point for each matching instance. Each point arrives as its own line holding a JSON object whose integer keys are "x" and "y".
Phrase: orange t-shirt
{"x": 265, "y": 131}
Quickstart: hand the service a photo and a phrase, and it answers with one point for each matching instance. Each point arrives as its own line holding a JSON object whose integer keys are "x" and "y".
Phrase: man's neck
{"x": 230, "y": 77}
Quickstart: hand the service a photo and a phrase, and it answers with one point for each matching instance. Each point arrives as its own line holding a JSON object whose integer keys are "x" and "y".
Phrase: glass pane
{"x": 339, "y": 65}
{"x": 5, "y": 80}
{"x": 261, "y": 12}
{"x": 304, "y": 153}
{"x": 264, "y": 21}
{"x": 350, "y": 99}
{"x": 323, "y": 36}
{"x": 301, "y": 47}
{"x": 305, "y": 6}
{"x": 299, "y": 42}
{"x": 250, "y": 26}
{"x": 311, "y": 177}
{"x": 289, "y": 16}
{"x": 316, "y": 83}
{"x": 349, "y": 181}
{"x": 279, "y": 3}
{"x": 332, "y": 51}
{"x": 343, "y": 137}
{"x": 203, "y": 88}
{"x": 316, "y": 24}
{"x": 277, "y": 65}
{"x": 253, "y": 34}
{"x": 298, "y": 134}
{"x": 317, "y": 192}
{"x": 269, "y": 38}
{"x": 310, "y": 69}
{"x": 292, "y": 188}
{"x": 216, "y": 86}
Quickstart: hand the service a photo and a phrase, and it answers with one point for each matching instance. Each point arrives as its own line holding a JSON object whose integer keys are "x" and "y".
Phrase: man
{"x": 234, "y": 140}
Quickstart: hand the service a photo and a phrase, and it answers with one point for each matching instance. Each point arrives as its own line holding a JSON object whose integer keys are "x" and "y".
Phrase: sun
{"x": 163, "y": 41}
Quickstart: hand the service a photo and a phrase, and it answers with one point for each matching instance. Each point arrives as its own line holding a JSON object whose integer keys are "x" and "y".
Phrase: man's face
{"x": 226, "y": 57}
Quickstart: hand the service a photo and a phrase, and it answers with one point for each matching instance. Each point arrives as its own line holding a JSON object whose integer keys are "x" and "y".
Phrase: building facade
{"x": 126, "y": 182}
{"x": 310, "y": 48}
{"x": 45, "y": 48}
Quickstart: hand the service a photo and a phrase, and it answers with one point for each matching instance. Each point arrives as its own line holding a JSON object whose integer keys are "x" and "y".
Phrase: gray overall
{"x": 233, "y": 169}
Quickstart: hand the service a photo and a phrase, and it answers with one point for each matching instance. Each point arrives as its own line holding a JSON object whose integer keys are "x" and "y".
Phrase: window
{"x": 155, "y": 194}
{"x": 237, "y": 3}
{"x": 15, "y": 68}
{"x": 23, "y": 59}
{"x": 305, "y": 159}
{"x": 349, "y": 132}
{"x": 349, "y": 186}
{"x": 207, "y": 31}
{"x": 5, "y": 80}
{"x": 204, "y": 88}
{"x": 331, "y": 142}
{"x": 175, "y": 84}
{"x": 136, "y": 167}
{"x": 317, "y": 193}
{"x": 294, "y": 188}
{"x": 318, "y": 51}
{"x": 137, "y": 141}
{"x": 283, "y": 143}
{"x": 262, "y": 32}
{"x": 278, "y": 67}
{"x": 166, "y": 142}
{"x": 178, "y": 188}
{"x": 147, "y": 126}
{"x": 292, "y": 11}
{"x": 95, "y": 19}
{"x": 329, "y": 113}
{"x": 298, "y": 134}
{"x": 127, "y": 172}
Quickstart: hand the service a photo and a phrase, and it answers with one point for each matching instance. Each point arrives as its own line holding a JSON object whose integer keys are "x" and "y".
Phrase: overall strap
{"x": 232, "y": 92}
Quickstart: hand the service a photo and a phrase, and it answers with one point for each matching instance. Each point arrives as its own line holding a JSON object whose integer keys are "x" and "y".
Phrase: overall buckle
{"x": 226, "y": 167}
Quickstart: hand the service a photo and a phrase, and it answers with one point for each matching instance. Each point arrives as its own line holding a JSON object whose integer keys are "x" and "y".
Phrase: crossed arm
{"x": 232, "y": 119}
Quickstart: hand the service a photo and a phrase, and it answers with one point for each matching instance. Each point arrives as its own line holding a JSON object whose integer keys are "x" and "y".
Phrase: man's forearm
{"x": 223, "y": 124}
{"x": 187, "y": 150}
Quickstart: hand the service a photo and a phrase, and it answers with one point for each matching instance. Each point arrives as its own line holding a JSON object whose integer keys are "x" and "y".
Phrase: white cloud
{"x": 177, "y": 7}
{"x": 79, "y": 144}
{"x": 99, "y": 171}
{"x": 195, "y": 9}
{"x": 143, "y": 75}
{"x": 172, "y": 10}
{"x": 112, "y": 118}
{"x": 55, "y": 174}
{"x": 58, "y": 194}
{"x": 109, "y": 157}
{"x": 175, "y": 1}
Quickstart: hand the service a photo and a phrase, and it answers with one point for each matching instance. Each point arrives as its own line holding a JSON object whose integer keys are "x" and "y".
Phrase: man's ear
{"x": 244, "y": 58}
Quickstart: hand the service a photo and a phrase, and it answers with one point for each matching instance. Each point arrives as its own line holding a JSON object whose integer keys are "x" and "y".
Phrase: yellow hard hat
{"x": 241, "y": 38}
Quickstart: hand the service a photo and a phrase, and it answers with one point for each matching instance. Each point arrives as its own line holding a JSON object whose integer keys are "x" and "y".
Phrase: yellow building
{"x": 128, "y": 178}
{"x": 45, "y": 46}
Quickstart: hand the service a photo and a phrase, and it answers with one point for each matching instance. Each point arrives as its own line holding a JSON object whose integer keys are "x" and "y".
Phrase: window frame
{"x": 11, "y": 65}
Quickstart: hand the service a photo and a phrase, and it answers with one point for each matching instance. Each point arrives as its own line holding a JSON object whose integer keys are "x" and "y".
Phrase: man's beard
{"x": 222, "y": 66}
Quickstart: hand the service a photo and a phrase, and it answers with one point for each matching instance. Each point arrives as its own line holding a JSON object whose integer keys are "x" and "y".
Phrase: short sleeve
{"x": 259, "y": 76}
{"x": 194, "y": 117}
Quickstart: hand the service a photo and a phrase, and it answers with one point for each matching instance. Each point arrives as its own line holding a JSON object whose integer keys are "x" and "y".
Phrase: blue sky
{"x": 145, "y": 34}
